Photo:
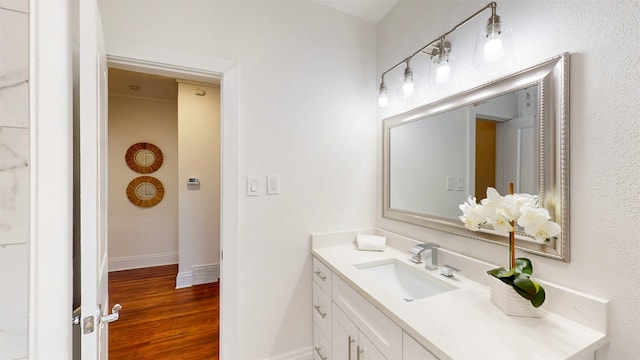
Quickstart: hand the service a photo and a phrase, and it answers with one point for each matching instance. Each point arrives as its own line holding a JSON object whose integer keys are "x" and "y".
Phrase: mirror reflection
{"x": 144, "y": 157}
{"x": 437, "y": 161}
{"x": 145, "y": 191}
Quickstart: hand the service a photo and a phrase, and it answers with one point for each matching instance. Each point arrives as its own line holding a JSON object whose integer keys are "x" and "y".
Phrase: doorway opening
{"x": 174, "y": 241}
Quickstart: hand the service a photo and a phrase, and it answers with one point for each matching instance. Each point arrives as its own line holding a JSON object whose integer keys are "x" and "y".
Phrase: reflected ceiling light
{"x": 493, "y": 48}
{"x": 408, "y": 86}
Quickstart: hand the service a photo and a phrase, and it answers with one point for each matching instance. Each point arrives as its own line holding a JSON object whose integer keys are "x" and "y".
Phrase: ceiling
{"x": 166, "y": 88}
{"x": 370, "y": 10}
{"x": 148, "y": 85}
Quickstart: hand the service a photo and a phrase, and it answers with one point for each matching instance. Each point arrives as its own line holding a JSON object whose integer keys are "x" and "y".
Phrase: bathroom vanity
{"x": 380, "y": 305}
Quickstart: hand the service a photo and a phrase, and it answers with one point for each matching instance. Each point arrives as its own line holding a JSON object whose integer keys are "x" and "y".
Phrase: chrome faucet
{"x": 416, "y": 255}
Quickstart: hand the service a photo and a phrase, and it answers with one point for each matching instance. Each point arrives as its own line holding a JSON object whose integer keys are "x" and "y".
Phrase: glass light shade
{"x": 408, "y": 88}
{"x": 494, "y": 50}
{"x": 442, "y": 72}
{"x": 383, "y": 100}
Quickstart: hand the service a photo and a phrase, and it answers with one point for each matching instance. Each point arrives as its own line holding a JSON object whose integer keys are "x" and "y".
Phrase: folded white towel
{"x": 371, "y": 242}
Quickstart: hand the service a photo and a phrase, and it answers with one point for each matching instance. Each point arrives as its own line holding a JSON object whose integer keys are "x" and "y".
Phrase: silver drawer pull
{"x": 359, "y": 351}
{"x": 319, "y": 354}
{"x": 320, "y": 311}
{"x": 320, "y": 275}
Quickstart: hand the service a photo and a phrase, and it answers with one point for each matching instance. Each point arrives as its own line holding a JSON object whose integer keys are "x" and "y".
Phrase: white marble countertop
{"x": 463, "y": 323}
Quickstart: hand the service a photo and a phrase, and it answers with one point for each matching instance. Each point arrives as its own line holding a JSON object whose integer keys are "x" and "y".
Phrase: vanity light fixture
{"x": 493, "y": 48}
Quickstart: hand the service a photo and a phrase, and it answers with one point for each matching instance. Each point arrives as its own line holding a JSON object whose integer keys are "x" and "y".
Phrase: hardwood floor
{"x": 159, "y": 322}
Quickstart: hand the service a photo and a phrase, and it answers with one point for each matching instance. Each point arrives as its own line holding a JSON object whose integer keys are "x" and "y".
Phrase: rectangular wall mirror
{"x": 514, "y": 129}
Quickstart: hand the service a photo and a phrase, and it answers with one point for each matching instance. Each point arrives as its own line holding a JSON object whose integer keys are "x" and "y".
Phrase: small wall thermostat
{"x": 193, "y": 181}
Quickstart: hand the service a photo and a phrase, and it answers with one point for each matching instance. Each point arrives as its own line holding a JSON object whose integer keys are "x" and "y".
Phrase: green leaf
{"x": 523, "y": 265}
{"x": 523, "y": 293}
{"x": 539, "y": 298}
{"x": 496, "y": 271}
{"x": 524, "y": 283}
{"x": 507, "y": 274}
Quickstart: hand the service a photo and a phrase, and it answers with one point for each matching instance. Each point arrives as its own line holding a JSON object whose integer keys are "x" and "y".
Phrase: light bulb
{"x": 383, "y": 101}
{"x": 493, "y": 50}
{"x": 407, "y": 89}
{"x": 442, "y": 73}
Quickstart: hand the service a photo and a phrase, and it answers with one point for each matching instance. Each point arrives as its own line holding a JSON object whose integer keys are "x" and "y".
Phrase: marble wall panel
{"x": 14, "y": 185}
{"x": 16, "y": 5}
{"x": 14, "y": 68}
{"x": 14, "y": 179}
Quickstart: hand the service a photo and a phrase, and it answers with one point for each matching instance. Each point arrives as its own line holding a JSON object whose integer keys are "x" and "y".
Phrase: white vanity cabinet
{"x": 346, "y": 325}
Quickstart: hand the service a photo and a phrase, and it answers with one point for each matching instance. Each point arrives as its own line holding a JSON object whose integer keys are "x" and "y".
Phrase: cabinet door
{"x": 367, "y": 351}
{"x": 344, "y": 335}
{"x": 412, "y": 350}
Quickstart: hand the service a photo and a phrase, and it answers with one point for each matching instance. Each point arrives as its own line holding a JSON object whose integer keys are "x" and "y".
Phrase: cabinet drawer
{"x": 322, "y": 310}
{"x": 321, "y": 346}
{"x": 322, "y": 275}
{"x": 382, "y": 331}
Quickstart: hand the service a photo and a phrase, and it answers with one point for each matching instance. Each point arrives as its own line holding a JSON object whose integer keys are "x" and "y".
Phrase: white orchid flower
{"x": 533, "y": 217}
{"x": 473, "y": 214}
{"x": 501, "y": 223}
{"x": 544, "y": 231}
{"x": 500, "y": 211}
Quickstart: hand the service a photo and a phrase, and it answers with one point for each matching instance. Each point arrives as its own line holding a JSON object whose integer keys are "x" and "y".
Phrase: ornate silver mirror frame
{"x": 551, "y": 78}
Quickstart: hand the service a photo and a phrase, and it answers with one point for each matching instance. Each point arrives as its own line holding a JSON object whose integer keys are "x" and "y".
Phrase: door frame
{"x": 44, "y": 334}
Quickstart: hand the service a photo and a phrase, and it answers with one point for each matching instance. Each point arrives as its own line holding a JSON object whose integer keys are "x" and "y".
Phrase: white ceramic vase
{"x": 510, "y": 302}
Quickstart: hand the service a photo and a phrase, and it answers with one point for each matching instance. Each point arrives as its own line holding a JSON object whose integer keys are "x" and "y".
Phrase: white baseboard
{"x": 203, "y": 274}
{"x": 200, "y": 274}
{"x": 142, "y": 261}
{"x": 300, "y": 354}
{"x": 184, "y": 279}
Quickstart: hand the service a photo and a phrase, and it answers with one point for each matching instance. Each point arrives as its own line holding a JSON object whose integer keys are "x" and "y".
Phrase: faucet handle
{"x": 416, "y": 252}
{"x": 448, "y": 270}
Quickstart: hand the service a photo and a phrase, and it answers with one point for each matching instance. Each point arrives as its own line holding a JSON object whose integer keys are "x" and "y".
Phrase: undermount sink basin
{"x": 406, "y": 281}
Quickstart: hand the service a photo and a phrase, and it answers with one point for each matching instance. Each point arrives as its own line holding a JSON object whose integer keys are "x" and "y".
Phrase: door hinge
{"x": 88, "y": 325}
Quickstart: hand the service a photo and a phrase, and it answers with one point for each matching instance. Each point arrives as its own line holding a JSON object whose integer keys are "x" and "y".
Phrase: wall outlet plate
{"x": 273, "y": 184}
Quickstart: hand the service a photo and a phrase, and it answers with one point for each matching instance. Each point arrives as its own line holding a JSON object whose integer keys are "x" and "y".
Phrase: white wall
{"x": 605, "y": 135}
{"x": 141, "y": 237}
{"x": 14, "y": 179}
{"x": 199, "y": 205}
{"x": 307, "y": 113}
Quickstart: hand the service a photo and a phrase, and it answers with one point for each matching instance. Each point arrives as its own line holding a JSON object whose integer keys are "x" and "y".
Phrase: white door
{"x": 516, "y": 139}
{"x": 93, "y": 184}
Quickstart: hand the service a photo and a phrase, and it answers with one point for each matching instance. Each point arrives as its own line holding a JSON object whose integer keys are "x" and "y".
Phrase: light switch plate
{"x": 253, "y": 186}
{"x": 460, "y": 183}
{"x": 450, "y": 183}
